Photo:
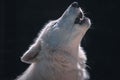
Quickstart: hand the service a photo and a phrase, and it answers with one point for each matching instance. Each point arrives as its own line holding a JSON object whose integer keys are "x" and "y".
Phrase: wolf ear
{"x": 30, "y": 55}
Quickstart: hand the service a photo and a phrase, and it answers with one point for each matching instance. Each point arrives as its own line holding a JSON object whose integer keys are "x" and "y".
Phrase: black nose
{"x": 75, "y": 4}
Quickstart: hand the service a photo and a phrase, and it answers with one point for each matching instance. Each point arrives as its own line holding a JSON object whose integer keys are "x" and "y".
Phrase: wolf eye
{"x": 54, "y": 26}
{"x": 54, "y": 23}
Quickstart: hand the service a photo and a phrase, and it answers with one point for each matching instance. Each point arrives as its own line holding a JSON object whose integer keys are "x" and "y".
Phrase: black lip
{"x": 82, "y": 21}
{"x": 85, "y": 20}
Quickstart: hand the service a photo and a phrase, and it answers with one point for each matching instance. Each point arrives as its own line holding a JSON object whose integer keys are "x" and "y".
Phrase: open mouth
{"x": 80, "y": 18}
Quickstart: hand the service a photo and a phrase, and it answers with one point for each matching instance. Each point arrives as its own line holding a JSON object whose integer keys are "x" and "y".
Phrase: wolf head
{"x": 69, "y": 28}
{"x": 66, "y": 31}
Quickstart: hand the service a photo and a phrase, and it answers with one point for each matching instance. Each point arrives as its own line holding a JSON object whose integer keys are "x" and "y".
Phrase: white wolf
{"x": 56, "y": 53}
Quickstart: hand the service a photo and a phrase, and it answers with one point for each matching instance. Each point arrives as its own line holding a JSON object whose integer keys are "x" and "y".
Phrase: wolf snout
{"x": 75, "y": 4}
{"x": 80, "y": 16}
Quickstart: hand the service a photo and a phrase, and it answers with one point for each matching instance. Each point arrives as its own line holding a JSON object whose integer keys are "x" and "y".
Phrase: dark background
{"x": 21, "y": 20}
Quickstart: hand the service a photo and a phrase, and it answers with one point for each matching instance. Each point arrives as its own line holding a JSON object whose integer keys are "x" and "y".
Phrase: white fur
{"x": 56, "y": 53}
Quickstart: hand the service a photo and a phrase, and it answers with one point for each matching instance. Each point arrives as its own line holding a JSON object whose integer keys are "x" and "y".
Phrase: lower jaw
{"x": 84, "y": 21}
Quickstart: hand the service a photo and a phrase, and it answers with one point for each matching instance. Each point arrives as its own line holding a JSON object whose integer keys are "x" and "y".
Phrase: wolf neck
{"x": 69, "y": 48}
